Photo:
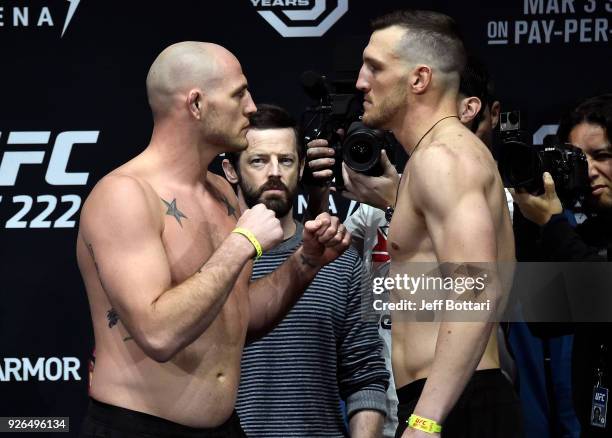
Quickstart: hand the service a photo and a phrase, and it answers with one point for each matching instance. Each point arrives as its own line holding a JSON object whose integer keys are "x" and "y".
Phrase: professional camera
{"x": 522, "y": 164}
{"x": 337, "y": 118}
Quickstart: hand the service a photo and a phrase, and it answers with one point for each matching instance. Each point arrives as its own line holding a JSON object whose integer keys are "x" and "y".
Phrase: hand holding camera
{"x": 539, "y": 209}
{"x": 377, "y": 191}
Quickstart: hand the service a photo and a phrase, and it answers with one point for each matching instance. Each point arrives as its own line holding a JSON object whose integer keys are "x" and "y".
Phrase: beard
{"x": 381, "y": 115}
{"x": 279, "y": 204}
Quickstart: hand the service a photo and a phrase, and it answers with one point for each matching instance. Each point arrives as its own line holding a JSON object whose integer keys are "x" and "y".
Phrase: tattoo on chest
{"x": 231, "y": 211}
{"x": 174, "y": 211}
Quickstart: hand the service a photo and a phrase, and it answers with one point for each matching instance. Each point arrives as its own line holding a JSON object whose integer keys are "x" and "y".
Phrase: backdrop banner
{"x": 73, "y": 106}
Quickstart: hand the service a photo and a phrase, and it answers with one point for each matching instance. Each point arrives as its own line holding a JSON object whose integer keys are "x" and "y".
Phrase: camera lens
{"x": 360, "y": 152}
{"x": 519, "y": 165}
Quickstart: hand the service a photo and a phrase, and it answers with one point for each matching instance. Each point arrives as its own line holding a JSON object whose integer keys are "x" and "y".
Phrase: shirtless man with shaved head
{"x": 165, "y": 254}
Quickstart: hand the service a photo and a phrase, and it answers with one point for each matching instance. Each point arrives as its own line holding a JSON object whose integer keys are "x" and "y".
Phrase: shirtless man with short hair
{"x": 450, "y": 208}
{"x": 167, "y": 279}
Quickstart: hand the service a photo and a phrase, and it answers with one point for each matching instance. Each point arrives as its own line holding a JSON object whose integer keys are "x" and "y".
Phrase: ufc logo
{"x": 56, "y": 174}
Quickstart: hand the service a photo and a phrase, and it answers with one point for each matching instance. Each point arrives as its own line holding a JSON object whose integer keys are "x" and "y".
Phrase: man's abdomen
{"x": 414, "y": 346}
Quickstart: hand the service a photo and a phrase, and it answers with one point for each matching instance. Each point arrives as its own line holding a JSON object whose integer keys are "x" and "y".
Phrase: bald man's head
{"x": 182, "y": 67}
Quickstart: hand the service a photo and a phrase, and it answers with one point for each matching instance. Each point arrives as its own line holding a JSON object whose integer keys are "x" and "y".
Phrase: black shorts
{"x": 487, "y": 408}
{"x": 106, "y": 421}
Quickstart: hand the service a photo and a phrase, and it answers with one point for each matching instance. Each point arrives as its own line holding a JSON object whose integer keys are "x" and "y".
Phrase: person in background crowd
{"x": 587, "y": 127}
{"x": 325, "y": 349}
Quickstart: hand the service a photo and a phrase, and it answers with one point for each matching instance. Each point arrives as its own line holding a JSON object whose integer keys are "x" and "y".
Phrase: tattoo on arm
{"x": 111, "y": 314}
{"x": 174, "y": 211}
{"x": 113, "y": 319}
{"x": 93, "y": 257}
{"x": 307, "y": 262}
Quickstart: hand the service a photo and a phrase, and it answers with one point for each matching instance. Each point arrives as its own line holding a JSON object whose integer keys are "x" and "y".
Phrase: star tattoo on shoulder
{"x": 231, "y": 211}
{"x": 174, "y": 211}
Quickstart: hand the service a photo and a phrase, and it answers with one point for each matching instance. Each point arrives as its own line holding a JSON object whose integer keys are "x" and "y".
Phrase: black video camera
{"x": 522, "y": 164}
{"x": 339, "y": 108}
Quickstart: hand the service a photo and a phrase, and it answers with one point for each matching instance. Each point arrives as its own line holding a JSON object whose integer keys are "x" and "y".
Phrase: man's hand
{"x": 377, "y": 191}
{"x": 325, "y": 238}
{"x": 320, "y": 159}
{"x": 262, "y": 222}
{"x": 539, "y": 209}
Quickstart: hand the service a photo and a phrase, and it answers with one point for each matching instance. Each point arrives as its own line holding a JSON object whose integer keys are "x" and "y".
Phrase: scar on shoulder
{"x": 395, "y": 246}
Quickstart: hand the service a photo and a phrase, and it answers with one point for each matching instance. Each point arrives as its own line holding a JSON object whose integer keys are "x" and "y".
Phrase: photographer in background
{"x": 588, "y": 127}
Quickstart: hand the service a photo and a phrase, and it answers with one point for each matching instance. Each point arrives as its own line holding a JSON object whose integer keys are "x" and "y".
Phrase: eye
{"x": 256, "y": 161}
{"x": 602, "y": 156}
{"x": 287, "y": 161}
{"x": 373, "y": 68}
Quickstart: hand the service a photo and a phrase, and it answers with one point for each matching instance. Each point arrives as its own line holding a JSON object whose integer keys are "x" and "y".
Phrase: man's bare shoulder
{"x": 456, "y": 158}
{"x": 448, "y": 168}
{"x": 121, "y": 202}
{"x": 224, "y": 192}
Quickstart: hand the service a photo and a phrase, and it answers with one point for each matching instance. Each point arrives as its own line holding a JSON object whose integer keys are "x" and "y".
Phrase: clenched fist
{"x": 262, "y": 222}
{"x": 325, "y": 238}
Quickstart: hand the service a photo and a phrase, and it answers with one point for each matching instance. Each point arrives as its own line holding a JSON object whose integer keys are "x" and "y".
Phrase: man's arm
{"x": 362, "y": 374}
{"x": 449, "y": 190}
{"x": 122, "y": 226}
{"x": 366, "y": 424}
{"x": 272, "y": 296}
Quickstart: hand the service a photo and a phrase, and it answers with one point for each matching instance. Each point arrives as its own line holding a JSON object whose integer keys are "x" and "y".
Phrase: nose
{"x": 250, "y": 107}
{"x": 362, "y": 83}
{"x": 274, "y": 167}
{"x": 593, "y": 171}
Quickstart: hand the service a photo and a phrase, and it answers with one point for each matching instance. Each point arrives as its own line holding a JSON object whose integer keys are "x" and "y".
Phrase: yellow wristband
{"x": 246, "y": 233}
{"x": 424, "y": 424}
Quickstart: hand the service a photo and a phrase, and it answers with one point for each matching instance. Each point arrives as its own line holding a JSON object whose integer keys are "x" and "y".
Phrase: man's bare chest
{"x": 408, "y": 237}
{"x": 193, "y": 230}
